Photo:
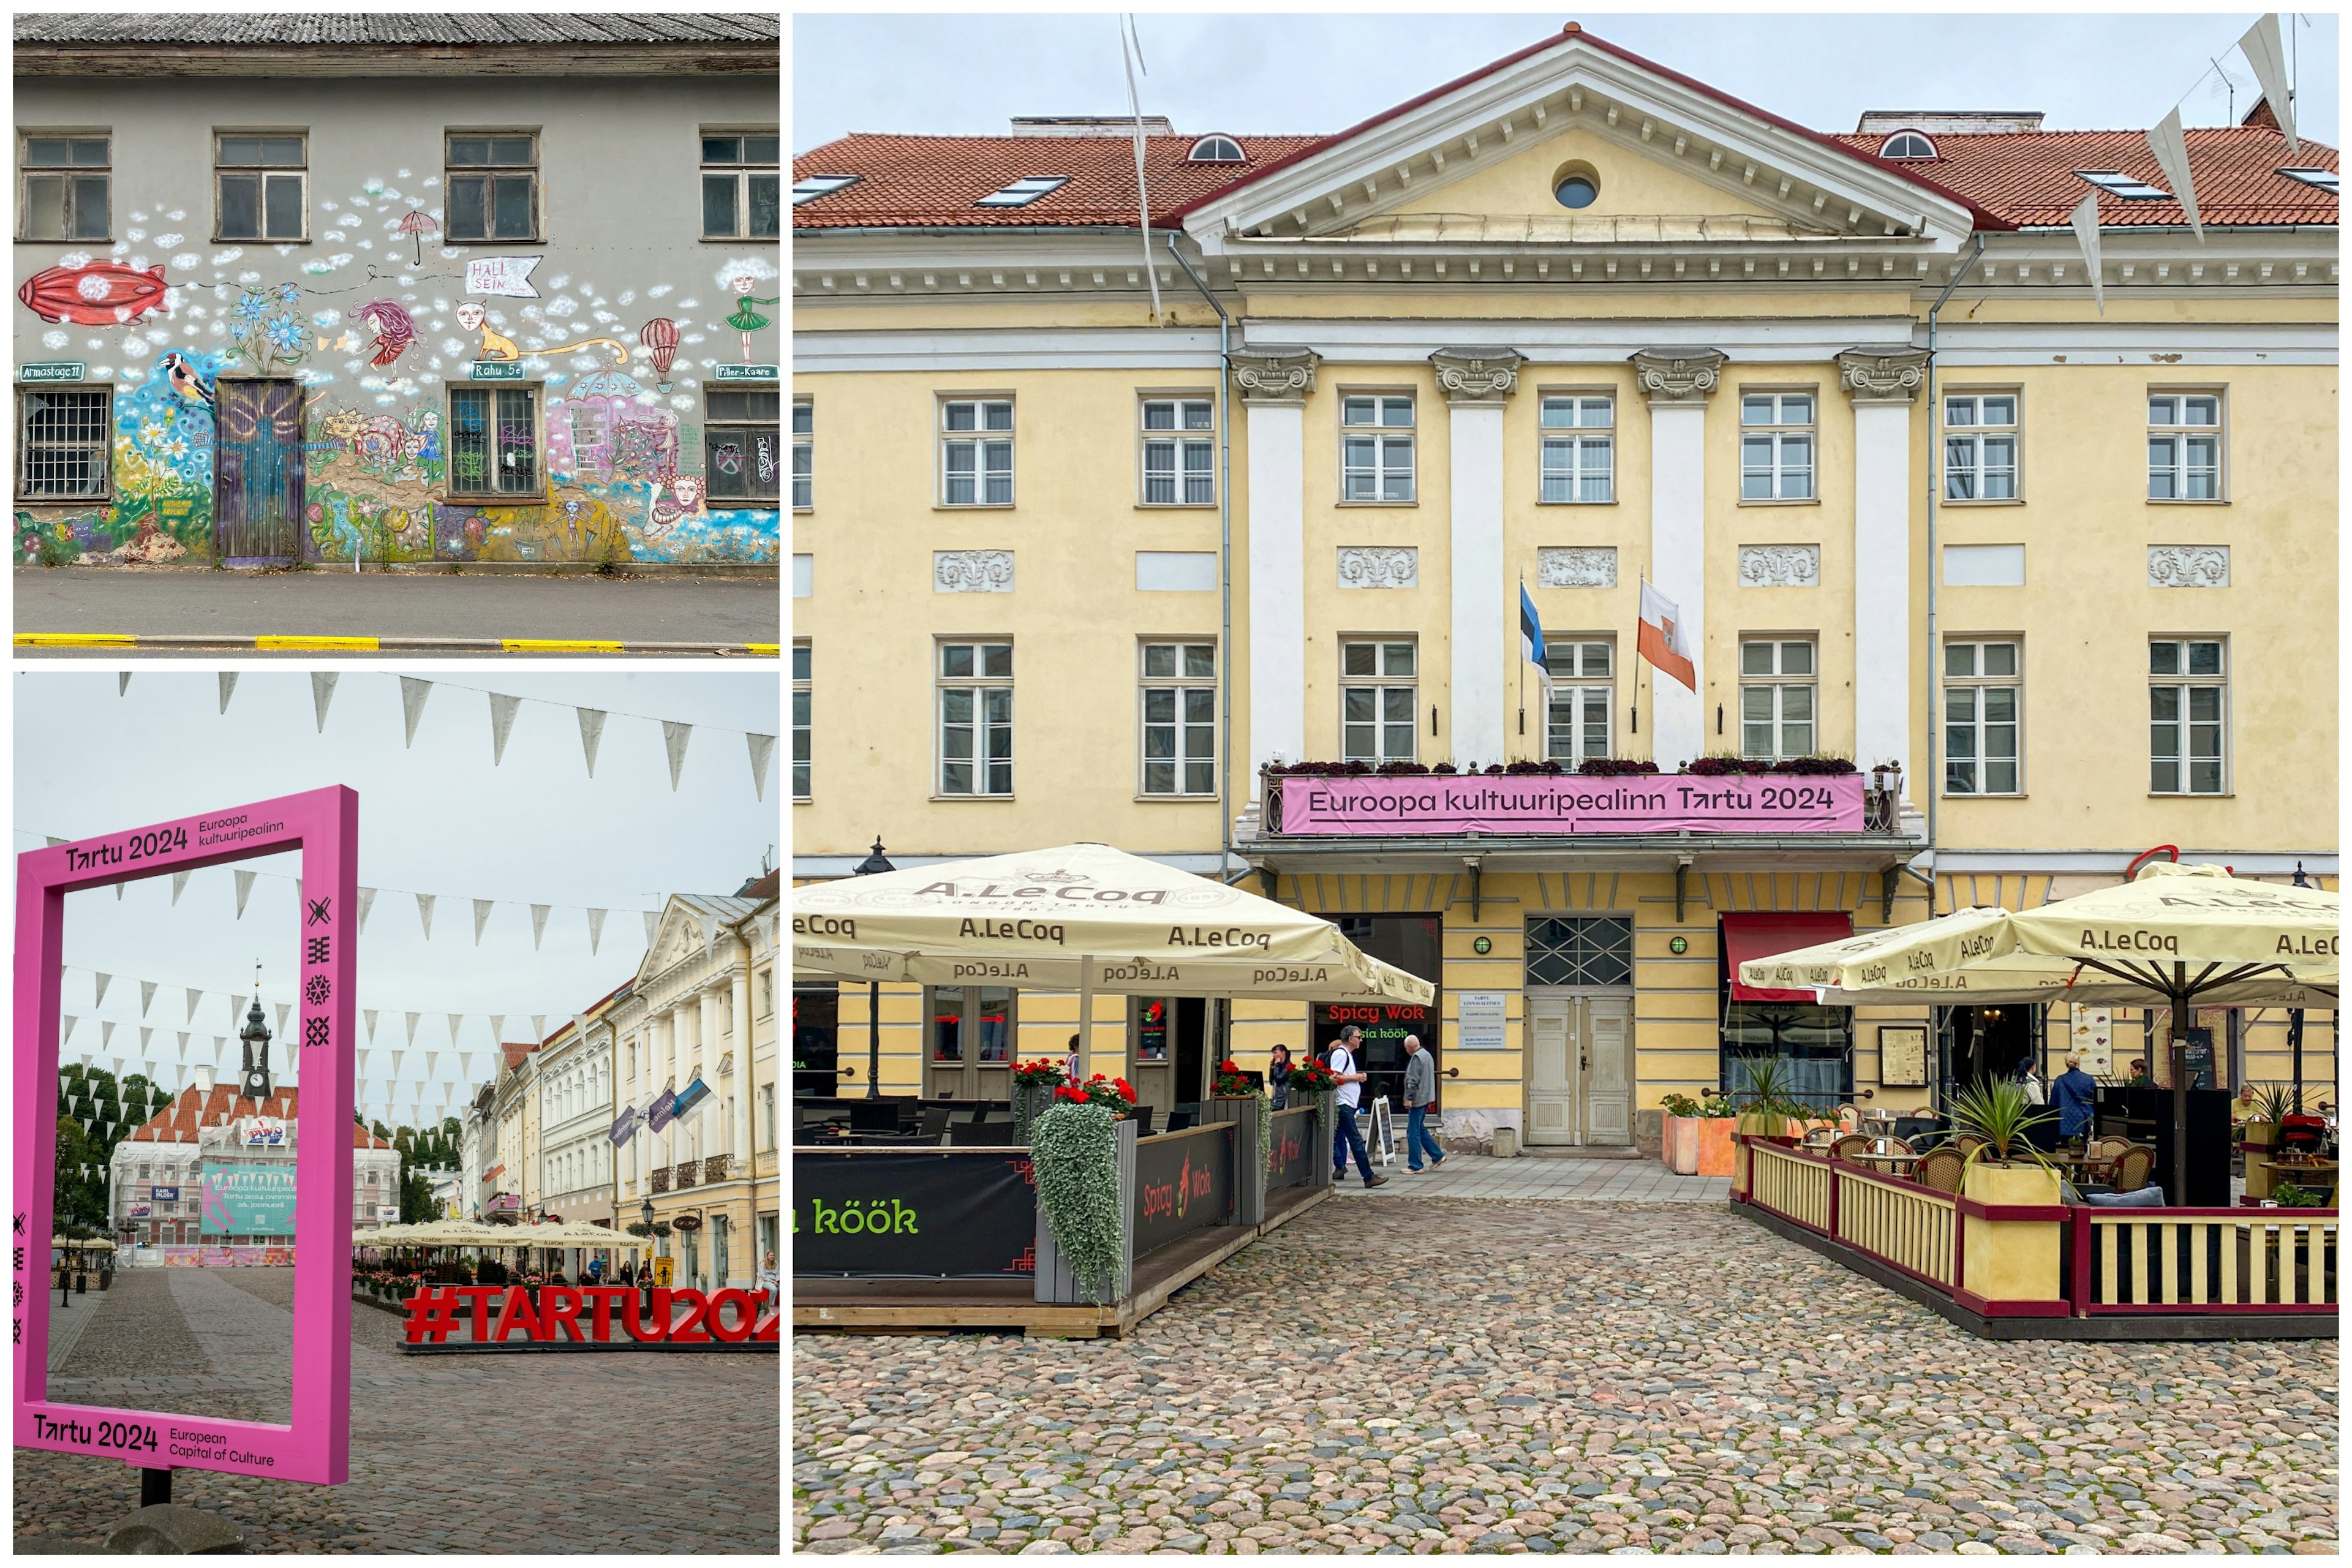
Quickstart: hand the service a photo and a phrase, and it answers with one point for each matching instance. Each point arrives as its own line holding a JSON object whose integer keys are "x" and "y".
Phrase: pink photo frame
{"x": 315, "y": 1445}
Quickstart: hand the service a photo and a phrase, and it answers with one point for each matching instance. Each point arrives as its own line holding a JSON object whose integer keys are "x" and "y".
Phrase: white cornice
{"x": 1008, "y": 349}
{"x": 1574, "y": 82}
{"x": 1585, "y": 341}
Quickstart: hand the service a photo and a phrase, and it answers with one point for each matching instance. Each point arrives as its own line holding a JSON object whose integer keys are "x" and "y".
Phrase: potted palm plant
{"x": 1768, "y": 1104}
{"x": 2006, "y": 1168}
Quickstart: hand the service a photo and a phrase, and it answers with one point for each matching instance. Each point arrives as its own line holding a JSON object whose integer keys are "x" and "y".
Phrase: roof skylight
{"x": 2125, "y": 185}
{"x": 1024, "y": 191}
{"x": 816, "y": 185}
{"x": 2322, "y": 178}
{"x": 1217, "y": 150}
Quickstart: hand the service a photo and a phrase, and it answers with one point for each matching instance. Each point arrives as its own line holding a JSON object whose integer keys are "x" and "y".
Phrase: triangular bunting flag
{"x": 579, "y": 1025}
{"x": 411, "y": 1027}
{"x": 118, "y": 892}
{"x": 710, "y": 924}
{"x": 243, "y": 890}
{"x": 465, "y": 1065}
{"x": 2085, "y": 219}
{"x": 68, "y": 1035}
{"x": 370, "y": 1013}
{"x": 179, "y": 882}
{"x": 121, "y": 682}
{"x": 2170, "y": 146}
{"x": 762, "y": 748}
{"x": 146, "y": 996}
{"x": 235, "y": 1012}
{"x": 595, "y": 930}
{"x": 456, "y": 1022}
{"x": 103, "y": 980}
{"x": 538, "y": 923}
{"x": 184, "y": 1047}
{"x": 432, "y": 1062}
{"x": 539, "y": 1025}
{"x": 283, "y": 1008}
{"x": 497, "y": 1026}
{"x": 54, "y": 842}
{"x": 395, "y": 1065}
{"x": 591, "y": 731}
{"x": 413, "y": 693}
{"x": 481, "y": 918}
{"x": 367, "y": 902}
{"x": 2267, "y": 54}
{"x": 105, "y": 1038}
{"x": 143, "y": 1035}
{"x": 502, "y": 712}
{"x": 653, "y": 922}
{"x": 323, "y": 692}
{"x": 673, "y": 738}
{"x": 194, "y": 997}
{"x": 227, "y": 688}
{"x": 424, "y": 907}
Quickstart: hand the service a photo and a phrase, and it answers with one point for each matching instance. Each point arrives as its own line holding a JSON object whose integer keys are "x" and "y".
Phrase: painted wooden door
{"x": 1552, "y": 1069}
{"x": 1608, "y": 1062}
{"x": 257, "y": 482}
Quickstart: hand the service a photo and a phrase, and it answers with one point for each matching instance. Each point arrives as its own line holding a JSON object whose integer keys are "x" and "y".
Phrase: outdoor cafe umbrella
{"x": 2174, "y": 937}
{"x": 1080, "y": 917}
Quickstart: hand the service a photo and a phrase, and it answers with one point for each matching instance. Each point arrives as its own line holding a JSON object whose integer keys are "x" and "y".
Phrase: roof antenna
{"x": 1130, "y": 52}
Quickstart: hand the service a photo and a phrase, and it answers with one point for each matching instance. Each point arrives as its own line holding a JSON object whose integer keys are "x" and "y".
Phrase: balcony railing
{"x": 714, "y": 1168}
{"x": 660, "y": 1181}
{"x": 1428, "y": 804}
{"x": 682, "y": 1174}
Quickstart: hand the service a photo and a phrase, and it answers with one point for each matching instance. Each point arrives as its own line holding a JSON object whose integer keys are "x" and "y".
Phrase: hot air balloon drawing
{"x": 660, "y": 338}
{"x": 97, "y": 294}
{"x": 418, "y": 224}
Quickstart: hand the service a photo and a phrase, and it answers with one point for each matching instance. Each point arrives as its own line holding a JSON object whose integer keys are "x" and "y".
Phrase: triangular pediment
{"x": 1674, "y": 161}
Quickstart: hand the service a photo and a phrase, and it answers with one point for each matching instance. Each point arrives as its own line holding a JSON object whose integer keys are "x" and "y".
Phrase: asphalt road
{"x": 175, "y": 602}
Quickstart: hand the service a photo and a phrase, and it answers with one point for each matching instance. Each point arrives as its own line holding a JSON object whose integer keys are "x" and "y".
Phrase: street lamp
{"x": 2294, "y": 1016}
{"x": 644, "y": 1276}
{"x": 873, "y": 865}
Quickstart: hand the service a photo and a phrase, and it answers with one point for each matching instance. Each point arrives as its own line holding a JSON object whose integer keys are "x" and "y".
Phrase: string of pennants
{"x": 415, "y": 691}
{"x": 2266, "y": 51}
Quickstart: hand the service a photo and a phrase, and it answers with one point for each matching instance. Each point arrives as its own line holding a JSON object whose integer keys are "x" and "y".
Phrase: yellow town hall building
{"x": 2038, "y": 534}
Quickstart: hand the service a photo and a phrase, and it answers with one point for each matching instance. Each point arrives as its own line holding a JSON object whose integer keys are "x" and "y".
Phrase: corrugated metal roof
{"x": 282, "y": 29}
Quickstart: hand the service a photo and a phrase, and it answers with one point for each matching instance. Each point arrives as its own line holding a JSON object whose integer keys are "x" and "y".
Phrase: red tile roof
{"x": 177, "y": 1122}
{"x": 906, "y": 182}
{"x": 2029, "y": 177}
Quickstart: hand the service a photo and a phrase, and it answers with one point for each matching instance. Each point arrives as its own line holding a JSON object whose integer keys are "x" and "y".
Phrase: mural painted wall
{"x": 621, "y": 318}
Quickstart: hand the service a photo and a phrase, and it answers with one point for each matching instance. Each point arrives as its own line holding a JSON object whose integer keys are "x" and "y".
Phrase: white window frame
{"x": 2181, "y": 685}
{"x": 1023, "y": 191}
{"x": 2318, "y": 179}
{"x": 809, "y": 187}
{"x": 1181, "y": 442}
{"x": 1886, "y": 149}
{"x": 978, "y": 686}
{"x": 1368, "y": 428}
{"x": 2176, "y": 430}
{"x": 1182, "y": 686}
{"x": 1788, "y": 481}
{"x": 803, "y": 454}
{"x": 979, "y": 441}
{"x": 1971, "y": 443}
{"x": 742, "y": 172}
{"x": 1778, "y": 684}
{"x": 1567, "y": 452}
{"x": 2129, "y": 188}
{"x": 1975, "y": 683}
{"x": 1386, "y": 683}
{"x": 1584, "y": 683}
{"x": 262, "y": 172}
{"x": 67, "y": 174}
{"x": 804, "y": 730}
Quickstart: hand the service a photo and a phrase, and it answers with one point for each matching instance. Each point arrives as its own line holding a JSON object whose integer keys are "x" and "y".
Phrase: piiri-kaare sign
{"x": 1543, "y": 803}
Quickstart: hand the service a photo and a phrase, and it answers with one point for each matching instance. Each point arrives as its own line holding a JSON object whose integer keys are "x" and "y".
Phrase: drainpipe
{"x": 1224, "y": 570}
{"x": 1929, "y": 776}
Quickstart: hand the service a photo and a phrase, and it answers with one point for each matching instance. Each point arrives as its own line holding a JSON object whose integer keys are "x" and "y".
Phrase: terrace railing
{"x": 2204, "y": 1260}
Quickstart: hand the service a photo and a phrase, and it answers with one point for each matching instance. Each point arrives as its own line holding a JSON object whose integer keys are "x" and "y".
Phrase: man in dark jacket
{"x": 2075, "y": 1093}
{"x": 1420, "y": 1100}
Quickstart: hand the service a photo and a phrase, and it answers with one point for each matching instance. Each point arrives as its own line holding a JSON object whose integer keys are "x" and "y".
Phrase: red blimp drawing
{"x": 99, "y": 294}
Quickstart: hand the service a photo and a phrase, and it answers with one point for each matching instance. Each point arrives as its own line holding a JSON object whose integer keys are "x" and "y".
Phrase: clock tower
{"x": 256, "y": 1082}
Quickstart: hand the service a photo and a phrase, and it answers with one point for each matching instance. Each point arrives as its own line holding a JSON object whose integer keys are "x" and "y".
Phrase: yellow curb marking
{"x": 766, "y": 649}
{"x": 77, "y": 639}
{"x": 556, "y": 645}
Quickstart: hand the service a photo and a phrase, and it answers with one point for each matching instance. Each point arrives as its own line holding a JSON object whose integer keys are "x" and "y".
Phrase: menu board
{"x": 1902, "y": 1056}
{"x": 2095, "y": 1039}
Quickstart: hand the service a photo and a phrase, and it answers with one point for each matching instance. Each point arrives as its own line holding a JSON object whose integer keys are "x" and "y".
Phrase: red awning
{"x": 1753, "y": 934}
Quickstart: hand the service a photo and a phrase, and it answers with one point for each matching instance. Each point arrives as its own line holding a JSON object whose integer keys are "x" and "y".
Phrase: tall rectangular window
{"x": 259, "y": 184}
{"x": 66, "y": 438}
{"x": 803, "y": 455}
{"x": 1576, "y": 722}
{"x": 740, "y": 461}
{"x": 1776, "y": 446}
{"x": 1980, "y": 447}
{"x": 802, "y": 691}
{"x": 493, "y": 185}
{"x": 1376, "y": 448}
{"x": 1983, "y": 694}
{"x": 493, "y": 441}
{"x": 2187, "y": 713}
{"x": 1379, "y": 697}
{"x": 975, "y": 451}
{"x": 1776, "y": 698}
{"x": 742, "y": 190}
{"x": 68, "y": 185}
{"x": 975, "y": 708}
{"x": 1179, "y": 451}
{"x": 2184, "y": 446}
{"x": 1578, "y": 447}
{"x": 1180, "y": 718}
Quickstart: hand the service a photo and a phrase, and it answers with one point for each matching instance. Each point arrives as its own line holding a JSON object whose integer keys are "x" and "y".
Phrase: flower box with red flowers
{"x": 1044, "y": 1070}
{"x": 1113, "y": 1094}
{"x": 1232, "y": 1083}
{"x": 1311, "y": 1078}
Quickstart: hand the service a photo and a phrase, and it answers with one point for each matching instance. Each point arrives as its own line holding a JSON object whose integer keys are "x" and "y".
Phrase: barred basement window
{"x": 740, "y": 460}
{"x": 493, "y": 442}
{"x": 65, "y": 452}
{"x": 493, "y": 184}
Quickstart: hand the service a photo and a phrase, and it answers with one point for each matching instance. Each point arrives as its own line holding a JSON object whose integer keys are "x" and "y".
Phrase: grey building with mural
{"x": 399, "y": 288}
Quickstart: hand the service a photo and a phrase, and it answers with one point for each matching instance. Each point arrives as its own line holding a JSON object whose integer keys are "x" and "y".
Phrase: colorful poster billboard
{"x": 248, "y": 1200}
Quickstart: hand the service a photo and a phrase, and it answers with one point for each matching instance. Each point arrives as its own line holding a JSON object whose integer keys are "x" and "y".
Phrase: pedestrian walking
{"x": 1345, "y": 1137}
{"x": 2076, "y": 1095}
{"x": 1277, "y": 1078}
{"x": 1070, "y": 1063}
{"x": 1420, "y": 1100}
{"x": 629, "y": 1273}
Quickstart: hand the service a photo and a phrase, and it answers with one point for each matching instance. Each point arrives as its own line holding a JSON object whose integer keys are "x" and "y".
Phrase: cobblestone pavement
{"x": 499, "y": 1453}
{"x": 1495, "y": 1375}
{"x": 1540, "y": 1177}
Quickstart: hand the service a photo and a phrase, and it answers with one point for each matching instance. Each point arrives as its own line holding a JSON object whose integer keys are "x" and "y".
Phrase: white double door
{"x": 1579, "y": 1068}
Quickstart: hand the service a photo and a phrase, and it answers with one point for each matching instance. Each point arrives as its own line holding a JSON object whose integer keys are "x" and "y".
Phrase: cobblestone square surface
{"x": 1491, "y": 1374}
{"x": 629, "y": 1452}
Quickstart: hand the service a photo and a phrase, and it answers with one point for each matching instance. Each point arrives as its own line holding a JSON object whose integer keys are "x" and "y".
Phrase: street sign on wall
{"x": 314, "y": 1444}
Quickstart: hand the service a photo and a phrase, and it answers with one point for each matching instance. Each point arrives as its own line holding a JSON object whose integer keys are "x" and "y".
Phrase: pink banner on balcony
{"x": 1569, "y": 803}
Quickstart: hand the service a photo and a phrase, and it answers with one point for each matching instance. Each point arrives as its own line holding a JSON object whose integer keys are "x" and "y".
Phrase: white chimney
{"x": 204, "y": 1078}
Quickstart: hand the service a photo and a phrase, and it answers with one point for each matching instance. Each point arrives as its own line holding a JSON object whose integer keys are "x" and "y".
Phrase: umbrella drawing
{"x": 417, "y": 224}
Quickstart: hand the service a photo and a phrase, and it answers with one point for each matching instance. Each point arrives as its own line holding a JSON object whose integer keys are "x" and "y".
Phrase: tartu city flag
{"x": 625, "y": 1126}
{"x": 1660, "y": 638}
{"x": 248, "y": 1200}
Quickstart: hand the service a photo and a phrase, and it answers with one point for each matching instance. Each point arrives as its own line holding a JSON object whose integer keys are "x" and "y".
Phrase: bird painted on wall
{"x": 184, "y": 380}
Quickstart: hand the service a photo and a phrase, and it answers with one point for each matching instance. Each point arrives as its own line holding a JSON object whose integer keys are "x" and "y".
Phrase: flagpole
{"x": 1523, "y": 670}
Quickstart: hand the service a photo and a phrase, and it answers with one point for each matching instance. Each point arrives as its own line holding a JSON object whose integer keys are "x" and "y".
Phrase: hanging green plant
{"x": 1265, "y": 1132}
{"x": 1075, "y": 1151}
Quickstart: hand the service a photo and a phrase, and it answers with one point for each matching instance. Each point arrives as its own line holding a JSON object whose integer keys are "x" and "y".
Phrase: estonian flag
{"x": 1530, "y": 631}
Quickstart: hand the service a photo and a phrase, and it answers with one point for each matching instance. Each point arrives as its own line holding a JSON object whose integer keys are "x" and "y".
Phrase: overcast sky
{"x": 437, "y": 818}
{"x": 969, "y": 73}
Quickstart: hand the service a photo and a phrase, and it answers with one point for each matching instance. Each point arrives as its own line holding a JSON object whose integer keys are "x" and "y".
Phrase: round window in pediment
{"x": 1576, "y": 186}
